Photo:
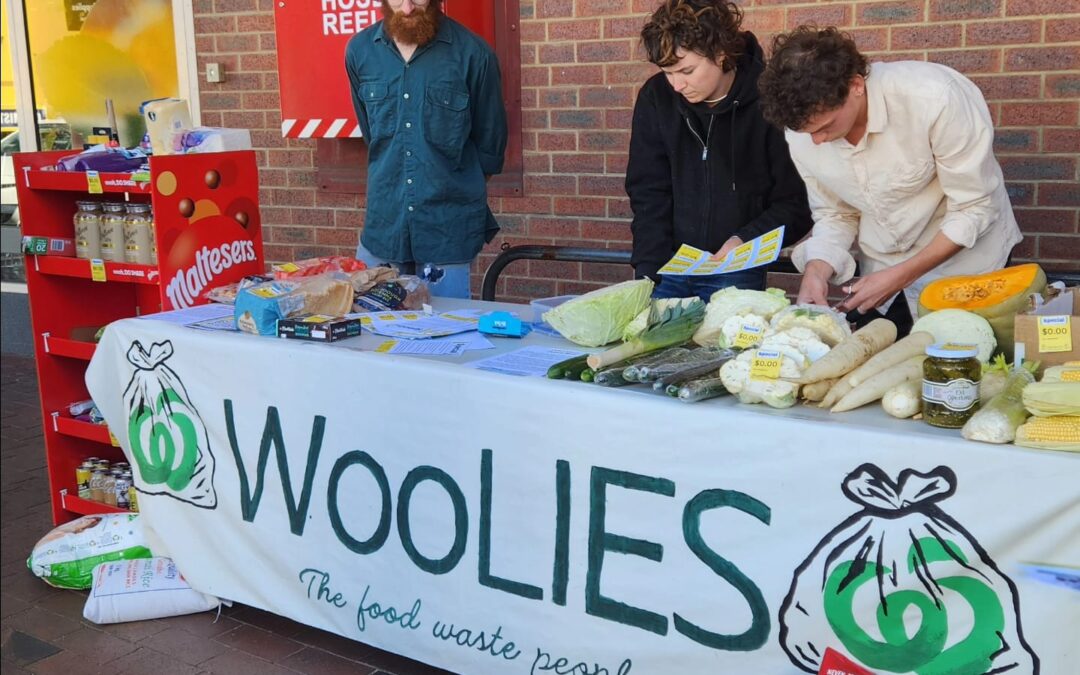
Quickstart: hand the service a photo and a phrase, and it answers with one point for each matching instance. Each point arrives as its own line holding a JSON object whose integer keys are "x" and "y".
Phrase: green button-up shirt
{"x": 435, "y": 128}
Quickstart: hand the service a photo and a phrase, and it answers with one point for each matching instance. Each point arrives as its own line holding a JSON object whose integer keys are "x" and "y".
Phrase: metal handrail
{"x": 571, "y": 254}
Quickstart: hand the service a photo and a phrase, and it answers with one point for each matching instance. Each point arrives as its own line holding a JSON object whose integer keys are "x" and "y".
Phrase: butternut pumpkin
{"x": 995, "y": 296}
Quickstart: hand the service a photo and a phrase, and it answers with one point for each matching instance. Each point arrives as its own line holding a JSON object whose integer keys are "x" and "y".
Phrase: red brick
{"x": 604, "y": 52}
{"x": 618, "y": 118}
{"x": 1041, "y": 7}
{"x": 1043, "y": 58}
{"x": 602, "y": 7}
{"x": 255, "y": 23}
{"x": 604, "y": 140}
{"x": 259, "y": 61}
{"x": 554, "y": 9}
{"x": 1038, "y": 168}
{"x": 628, "y": 73}
{"x": 202, "y": 7}
{"x": 1059, "y": 247}
{"x": 530, "y": 289}
{"x": 244, "y": 120}
{"x": 238, "y": 42}
{"x": 562, "y": 52}
{"x": 1062, "y": 30}
{"x": 607, "y": 97}
{"x": 263, "y": 100}
{"x": 556, "y": 141}
{"x": 871, "y": 39}
{"x": 944, "y": 10}
{"x": 288, "y": 197}
{"x": 214, "y": 24}
{"x": 338, "y": 200}
{"x": 1063, "y": 86}
{"x": 240, "y": 82}
{"x": 578, "y": 287}
{"x": 607, "y": 230}
{"x": 1039, "y": 114}
{"x": 608, "y": 186}
{"x": 530, "y": 98}
{"x": 577, "y": 75}
{"x": 619, "y": 208}
{"x": 1059, "y": 194}
{"x": 301, "y": 178}
{"x": 528, "y": 53}
{"x": 553, "y": 227}
{"x": 332, "y": 236}
{"x": 204, "y": 44}
{"x": 588, "y": 29}
{"x": 1005, "y": 87}
{"x": 1003, "y": 32}
{"x": 579, "y": 206}
{"x": 1016, "y": 140}
{"x": 552, "y": 269}
{"x": 1021, "y": 194}
{"x": 558, "y": 98}
{"x": 275, "y": 253}
{"x": 968, "y": 60}
{"x": 526, "y": 205}
{"x": 535, "y": 119}
{"x": 1057, "y": 221}
{"x": 216, "y": 100}
{"x": 268, "y": 42}
{"x": 889, "y": 13}
{"x": 1026, "y": 250}
{"x": 235, "y": 5}
{"x": 763, "y": 21}
{"x": 576, "y": 119}
{"x": 927, "y": 37}
{"x": 536, "y": 163}
{"x": 350, "y": 218}
{"x": 582, "y": 162}
{"x": 230, "y": 63}
{"x": 823, "y": 15}
{"x": 550, "y": 185}
{"x": 533, "y": 31}
{"x": 1061, "y": 140}
{"x": 538, "y": 76}
{"x": 624, "y": 27}
{"x": 607, "y": 273}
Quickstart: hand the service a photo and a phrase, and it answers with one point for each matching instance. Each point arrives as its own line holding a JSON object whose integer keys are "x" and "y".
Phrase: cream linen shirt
{"x": 925, "y": 164}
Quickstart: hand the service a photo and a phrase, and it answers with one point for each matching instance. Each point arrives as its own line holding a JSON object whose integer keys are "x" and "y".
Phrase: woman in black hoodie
{"x": 705, "y": 167}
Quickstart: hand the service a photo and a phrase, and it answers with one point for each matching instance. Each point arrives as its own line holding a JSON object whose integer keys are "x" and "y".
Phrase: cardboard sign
{"x": 1048, "y": 332}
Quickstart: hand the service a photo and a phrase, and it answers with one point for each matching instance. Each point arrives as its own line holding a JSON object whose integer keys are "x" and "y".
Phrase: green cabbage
{"x": 601, "y": 316}
{"x": 731, "y": 301}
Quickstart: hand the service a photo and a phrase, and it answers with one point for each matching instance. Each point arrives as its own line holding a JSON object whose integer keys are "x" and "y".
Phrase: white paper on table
{"x": 425, "y": 347}
{"x": 417, "y": 325}
{"x": 224, "y": 323}
{"x": 526, "y": 362}
{"x": 190, "y": 315}
{"x": 690, "y": 261}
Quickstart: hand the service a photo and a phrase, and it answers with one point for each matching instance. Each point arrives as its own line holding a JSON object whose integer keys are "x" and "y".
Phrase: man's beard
{"x": 418, "y": 28}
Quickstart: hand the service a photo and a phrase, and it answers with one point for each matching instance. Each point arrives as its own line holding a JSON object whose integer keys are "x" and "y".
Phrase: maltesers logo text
{"x": 184, "y": 288}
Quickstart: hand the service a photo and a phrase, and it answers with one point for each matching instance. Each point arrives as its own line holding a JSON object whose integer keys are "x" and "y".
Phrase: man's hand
{"x": 871, "y": 291}
{"x": 814, "y": 289}
{"x": 732, "y": 243}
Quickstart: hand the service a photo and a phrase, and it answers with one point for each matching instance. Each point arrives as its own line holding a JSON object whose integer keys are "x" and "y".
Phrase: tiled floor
{"x": 43, "y": 628}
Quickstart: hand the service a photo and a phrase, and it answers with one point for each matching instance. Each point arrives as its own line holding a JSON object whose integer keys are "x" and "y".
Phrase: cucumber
{"x": 653, "y": 372}
{"x": 611, "y": 376}
{"x": 559, "y": 369}
{"x": 575, "y": 369}
{"x": 587, "y": 375}
{"x": 699, "y": 390}
{"x": 690, "y": 371}
{"x": 633, "y": 373}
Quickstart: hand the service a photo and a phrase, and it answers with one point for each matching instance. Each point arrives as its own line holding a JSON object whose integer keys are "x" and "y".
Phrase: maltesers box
{"x": 1050, "y": 332}
{"x": 318, "y": 328}
{"x": 48, "y": 246}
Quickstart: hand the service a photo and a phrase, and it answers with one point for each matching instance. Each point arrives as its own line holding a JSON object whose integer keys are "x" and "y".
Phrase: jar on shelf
{"x": 112, "y": 231}
{"x": 153, "y": 239}
{"x": 87, "y": 223}
{"x": 138, "y": 225}
{"x": 950, "y": 391}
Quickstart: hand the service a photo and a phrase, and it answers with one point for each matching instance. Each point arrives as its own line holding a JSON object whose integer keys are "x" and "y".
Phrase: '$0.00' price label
{"x": 1055, "y": 334}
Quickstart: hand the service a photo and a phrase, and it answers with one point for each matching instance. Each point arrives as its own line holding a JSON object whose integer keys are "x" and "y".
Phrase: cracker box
{"x": 1050, "y": 331}
{"x": 318, "y": 328}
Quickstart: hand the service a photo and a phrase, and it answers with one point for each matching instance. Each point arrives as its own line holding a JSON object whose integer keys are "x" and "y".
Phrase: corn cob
{"x": 1051, "y": 433}
{"x": 1046, "y": 399}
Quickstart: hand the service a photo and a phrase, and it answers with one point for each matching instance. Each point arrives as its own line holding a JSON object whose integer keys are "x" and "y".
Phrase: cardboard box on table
{"x": 1026, "y": 330}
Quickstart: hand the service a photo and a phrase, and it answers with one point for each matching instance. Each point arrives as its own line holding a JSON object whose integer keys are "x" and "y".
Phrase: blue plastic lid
{"x": 952, "y": 350}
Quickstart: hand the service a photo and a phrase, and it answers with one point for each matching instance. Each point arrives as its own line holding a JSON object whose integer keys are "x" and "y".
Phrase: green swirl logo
{"x": 924, "y": 652}
{"x": 160, "y": 461}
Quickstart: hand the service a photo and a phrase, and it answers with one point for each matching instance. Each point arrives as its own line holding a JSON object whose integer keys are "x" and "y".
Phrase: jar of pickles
{"x": 87, "y": 223}
{"x": 138, "y": 225}
{"x": 153, "y": 238}
{"x": 112, "y": 231}
{"x": 950, "y": 391}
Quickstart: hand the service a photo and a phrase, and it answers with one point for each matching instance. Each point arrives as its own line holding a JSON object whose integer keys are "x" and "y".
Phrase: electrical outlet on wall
{"x": 214, "y": 72}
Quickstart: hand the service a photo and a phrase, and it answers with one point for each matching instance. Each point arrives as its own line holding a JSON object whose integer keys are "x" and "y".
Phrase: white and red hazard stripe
{"x": 320, "y": 128}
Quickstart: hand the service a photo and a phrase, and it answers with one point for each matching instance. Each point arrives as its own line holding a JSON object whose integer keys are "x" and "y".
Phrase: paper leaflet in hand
{"x": 690, "y": 261}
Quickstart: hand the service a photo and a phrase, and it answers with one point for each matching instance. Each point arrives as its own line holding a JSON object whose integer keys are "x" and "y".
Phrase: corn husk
{"x": 1048, "y": 399}
{"x": 1050, "y": 433}
{"x": 1065, "y": 373}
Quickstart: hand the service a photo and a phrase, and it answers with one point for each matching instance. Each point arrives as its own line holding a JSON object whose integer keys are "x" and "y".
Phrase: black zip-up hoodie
{"x": 689, "y": 184}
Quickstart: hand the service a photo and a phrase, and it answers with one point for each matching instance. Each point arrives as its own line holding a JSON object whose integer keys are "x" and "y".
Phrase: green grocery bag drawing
{"x": 166, "y": 437}
{"x": 901, "y": 587}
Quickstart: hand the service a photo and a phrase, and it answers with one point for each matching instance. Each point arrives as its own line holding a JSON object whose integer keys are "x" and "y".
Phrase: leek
{"x": 676, "y": 325}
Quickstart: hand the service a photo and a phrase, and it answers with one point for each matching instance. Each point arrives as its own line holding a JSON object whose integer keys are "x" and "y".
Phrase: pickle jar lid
{"x": 952, "y": 350}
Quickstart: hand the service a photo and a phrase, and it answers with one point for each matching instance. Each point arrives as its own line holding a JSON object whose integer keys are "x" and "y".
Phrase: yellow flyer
{"x": 690, "y": 261}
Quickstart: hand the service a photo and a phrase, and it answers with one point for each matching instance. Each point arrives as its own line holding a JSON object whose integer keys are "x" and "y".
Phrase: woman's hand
{"x": 732, "y": 243}
{"x": 871, "y": 291}
{"x": 814, "y": 289}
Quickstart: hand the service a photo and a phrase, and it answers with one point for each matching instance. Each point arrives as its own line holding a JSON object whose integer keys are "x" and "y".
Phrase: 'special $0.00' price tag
{"x": 748, "y": 336}
{"x": 1055, "y": 334}
{"x": 765, "y": 365}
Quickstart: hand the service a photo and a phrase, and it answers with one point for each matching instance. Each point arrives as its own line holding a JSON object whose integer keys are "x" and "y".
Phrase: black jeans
{"x": 898, "y": 313}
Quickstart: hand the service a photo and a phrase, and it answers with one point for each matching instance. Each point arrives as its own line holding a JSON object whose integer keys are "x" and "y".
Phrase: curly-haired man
{"x": 898, "y": 159}
{"x": 705, "y": 168}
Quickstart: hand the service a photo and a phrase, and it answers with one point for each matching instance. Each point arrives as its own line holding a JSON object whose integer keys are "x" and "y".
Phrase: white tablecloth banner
{"x": 492, "y": 524}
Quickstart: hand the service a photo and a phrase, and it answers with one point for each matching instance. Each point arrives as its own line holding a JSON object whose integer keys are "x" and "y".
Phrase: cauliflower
{"x": 735, "y": 376}
{"x": 731, "y": 301}
{"x": 830, "y": 325}
{"x": 803, "y": 340}
{"x": 733, "y": 325}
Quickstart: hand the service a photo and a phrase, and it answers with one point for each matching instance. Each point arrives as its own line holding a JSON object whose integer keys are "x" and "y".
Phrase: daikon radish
{"x": 816, "y": 391}
{"x": 874, "y": 388}
{"x": 852, "y": 352}
{"x": 904, "y": 400}
{"x": 898, "y": 352}
{"x": 836, "y": 392}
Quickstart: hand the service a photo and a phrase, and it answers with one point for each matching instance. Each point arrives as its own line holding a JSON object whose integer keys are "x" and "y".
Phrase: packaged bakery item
{"x": 404, "y": 292}
{"x": 259, "y": 307}
{"x": 226, "y": 294}
{"x": 315, "y": 266}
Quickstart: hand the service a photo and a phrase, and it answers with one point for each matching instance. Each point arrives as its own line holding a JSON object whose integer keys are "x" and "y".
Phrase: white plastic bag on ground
{"x": 139, "y": 590}
{"x": 67, "y": 555}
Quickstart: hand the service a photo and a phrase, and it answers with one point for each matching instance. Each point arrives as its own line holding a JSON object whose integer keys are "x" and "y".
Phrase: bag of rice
{"x": 67, "y": 555}
{"x": 139, "y": 590}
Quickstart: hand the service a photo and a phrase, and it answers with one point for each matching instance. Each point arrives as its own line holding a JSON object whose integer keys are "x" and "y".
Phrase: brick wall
{"x": 581, "y": 66}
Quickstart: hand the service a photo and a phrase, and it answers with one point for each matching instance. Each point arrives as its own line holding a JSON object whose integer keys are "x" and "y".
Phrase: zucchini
{"x": 559, "y": 369}
{"x": 699, "y": 390}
